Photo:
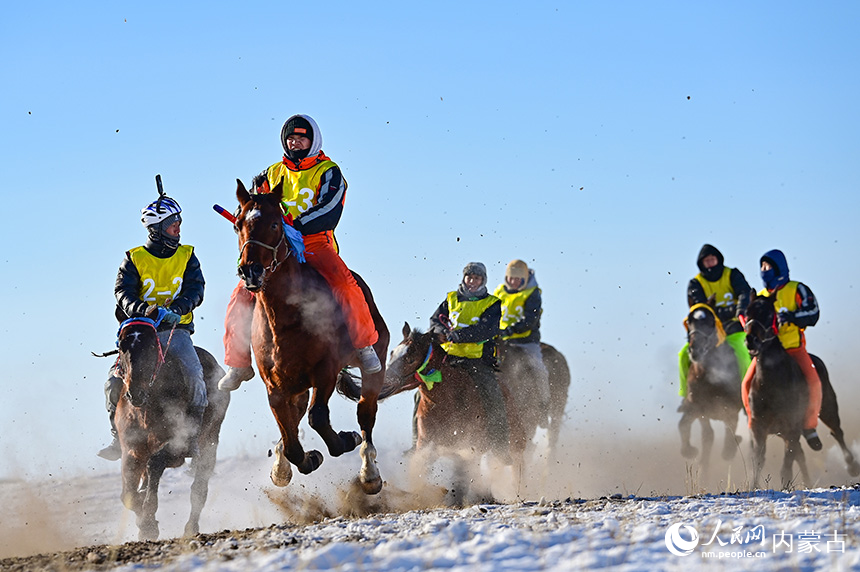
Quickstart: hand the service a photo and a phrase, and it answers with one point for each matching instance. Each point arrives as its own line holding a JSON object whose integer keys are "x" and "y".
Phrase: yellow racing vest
{"x": 513, "y": 304}
{"x": 722, "y": 290}
{"x": 301, "y": 188}
{"x": 462, "y": 315}
{"x": 161, "y": 278}
{"x": 790, "y": 335}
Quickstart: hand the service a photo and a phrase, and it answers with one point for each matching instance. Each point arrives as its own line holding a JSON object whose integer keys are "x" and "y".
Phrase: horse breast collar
{"x": 431, "y": 376}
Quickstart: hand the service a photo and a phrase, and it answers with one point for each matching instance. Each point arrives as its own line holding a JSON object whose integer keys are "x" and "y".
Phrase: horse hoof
{"x": 853, "y": 469}
{"x": 312, "y": 462}
{"x": 191, "y": 529}
{"x": 148, "y": 531}
{"x": 689, "y": 452}
{"x": 350, "y": 440}
{"x": 281, "y": 474}
{"x": 372, "y": 487}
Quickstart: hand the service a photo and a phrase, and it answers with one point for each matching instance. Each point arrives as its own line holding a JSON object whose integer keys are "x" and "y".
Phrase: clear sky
{"x": 603, "y": 143}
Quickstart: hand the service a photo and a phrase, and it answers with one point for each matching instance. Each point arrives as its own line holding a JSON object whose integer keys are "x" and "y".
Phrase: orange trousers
{"x": 802, "y": 358}
{"x": 321, "y": 254}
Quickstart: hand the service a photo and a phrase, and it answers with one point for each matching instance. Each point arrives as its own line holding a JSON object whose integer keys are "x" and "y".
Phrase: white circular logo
{"x": 680, "y": 546}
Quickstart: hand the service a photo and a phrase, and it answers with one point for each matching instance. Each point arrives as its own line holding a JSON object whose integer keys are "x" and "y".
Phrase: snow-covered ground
{"x": 317, "y": 523}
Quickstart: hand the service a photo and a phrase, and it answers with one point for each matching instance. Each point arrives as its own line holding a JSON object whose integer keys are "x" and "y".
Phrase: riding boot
{"x": 812, "y": 439}
{"x": 113, "y": 451}
{"x": 195, "y": 420}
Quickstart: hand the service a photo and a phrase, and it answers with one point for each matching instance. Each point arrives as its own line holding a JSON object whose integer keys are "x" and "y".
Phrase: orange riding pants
{"x": 321, "y": 254}
{"x": 802, "y": 358}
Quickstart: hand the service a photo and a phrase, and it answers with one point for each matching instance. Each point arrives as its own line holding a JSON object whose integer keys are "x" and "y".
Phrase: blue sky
{"x": 603, "y": 143}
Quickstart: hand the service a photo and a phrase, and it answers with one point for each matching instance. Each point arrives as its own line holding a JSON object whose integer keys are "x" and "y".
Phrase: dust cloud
{"x": 594, "y": 458}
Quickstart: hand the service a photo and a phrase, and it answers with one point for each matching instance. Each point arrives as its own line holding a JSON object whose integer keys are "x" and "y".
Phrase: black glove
{"x": 452, "y": 336}
{"x": 785, "y": 317}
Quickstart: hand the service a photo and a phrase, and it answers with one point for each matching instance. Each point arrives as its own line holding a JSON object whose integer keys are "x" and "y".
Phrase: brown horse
{"x": 301, "y": 342}
{"x": 713, "y": 383}
{"x": 518, "y": 377}
{"x": 450, "y": 414}
{"x": 779, "y": 395}
{"x": 151, "y": 423}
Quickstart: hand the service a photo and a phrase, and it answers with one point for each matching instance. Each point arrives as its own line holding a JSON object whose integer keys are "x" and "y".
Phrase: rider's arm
{"x": 807, "y": 307}
{"x": 741, "y": 288}
{"x": 436, "y": 324}
{"x": 325, "y": 214}
{"x": 127, "y": 289}
{"x": 486, "y": 329}
{"x": 191, "y": 294}
{"x": 531, "y": 315}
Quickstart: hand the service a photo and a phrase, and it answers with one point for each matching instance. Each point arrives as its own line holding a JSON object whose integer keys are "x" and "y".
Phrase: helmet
{"x": 517, "y": 269}
{"x": 158, "y": 210}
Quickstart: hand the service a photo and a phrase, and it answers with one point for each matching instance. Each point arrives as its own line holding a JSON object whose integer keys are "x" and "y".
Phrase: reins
{"x": 162, "y": 353}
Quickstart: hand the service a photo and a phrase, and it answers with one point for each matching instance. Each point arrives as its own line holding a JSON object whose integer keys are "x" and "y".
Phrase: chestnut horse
{"x": 713, "y": 384}
{"x": 301, "y": 342}
{"x": 779, "y": 395}
{"x": 151, "y": 422}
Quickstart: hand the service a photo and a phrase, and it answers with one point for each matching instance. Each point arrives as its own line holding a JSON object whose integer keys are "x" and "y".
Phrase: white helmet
{"x": 158, "y": 210}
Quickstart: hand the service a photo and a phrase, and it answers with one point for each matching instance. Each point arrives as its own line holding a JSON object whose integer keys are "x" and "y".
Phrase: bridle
{"x": 275, "y": 262}
{"x": 162, "y": 353}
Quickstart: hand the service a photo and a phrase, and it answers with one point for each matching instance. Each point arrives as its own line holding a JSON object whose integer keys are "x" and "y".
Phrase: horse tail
{"x": 349, "y": 386}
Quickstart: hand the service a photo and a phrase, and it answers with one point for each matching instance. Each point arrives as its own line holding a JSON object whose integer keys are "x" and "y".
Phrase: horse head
{"x": 704, "y": 329}
{"x": 259, "y": 225}
{"x": 760, "y": 324}
{"x": 410, "y": 358}
{"x": 139, "y": 355}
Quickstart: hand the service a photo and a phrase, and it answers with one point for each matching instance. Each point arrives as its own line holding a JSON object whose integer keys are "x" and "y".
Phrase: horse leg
{"x": 146, "y": 523}
{"x": 707, "y": 442}
{"x": 320, "y": 421}
{"x": 288, "y": 413}
{"x": 684, "y": 425}
{"x": 793, "y": 452}
{"x": 371, "y": 480}
{"x": 132, "y": 473}
{"x": 204, "y": 466}
{"x": 759, "y": 446}
{"x": 731, "y": 440}
{"x": 829, "y": 415}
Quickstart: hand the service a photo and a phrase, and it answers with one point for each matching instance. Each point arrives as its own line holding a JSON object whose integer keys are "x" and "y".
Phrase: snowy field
{"x": 581, "y": 521}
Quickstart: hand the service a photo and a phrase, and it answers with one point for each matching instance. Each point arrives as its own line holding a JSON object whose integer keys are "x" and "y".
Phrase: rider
{"x": 796, "y": 309}
{"x": 520, "y": 324}
{"x": 731, "y": 291}
{"x": 469, "y": 320}
{"x": 165, "y": 273}
{"x": 314, "y": 192}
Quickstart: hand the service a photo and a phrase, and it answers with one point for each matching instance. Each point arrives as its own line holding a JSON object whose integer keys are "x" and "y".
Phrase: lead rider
{"x": 314, "y": 193}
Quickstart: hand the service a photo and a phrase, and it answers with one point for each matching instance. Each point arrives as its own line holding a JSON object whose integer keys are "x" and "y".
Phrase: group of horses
{"x": 303, "y": 352}
{"x": 778, "y": 393}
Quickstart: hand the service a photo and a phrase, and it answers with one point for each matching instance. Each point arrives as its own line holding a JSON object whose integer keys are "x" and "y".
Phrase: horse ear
{"x": 712, "y": 300}
{"x": 278, "y": 191}
{"x": 753, "y": 294}
{"x": 241, "y": 193}
{"x": 151, "y": 312}
{"x": 406, "y": 330}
